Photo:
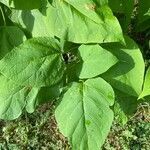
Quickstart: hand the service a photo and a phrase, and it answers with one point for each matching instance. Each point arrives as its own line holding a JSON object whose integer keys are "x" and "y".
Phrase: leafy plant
{"x": 77, "y": 53}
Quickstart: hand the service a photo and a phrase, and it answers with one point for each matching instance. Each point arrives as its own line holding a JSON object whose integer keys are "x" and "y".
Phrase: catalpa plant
{"x": 78, "y": 53}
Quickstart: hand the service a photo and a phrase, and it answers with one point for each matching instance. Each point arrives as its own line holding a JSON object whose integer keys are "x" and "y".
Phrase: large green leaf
{"x": 83, "y": 21}
{"x": 94, "y": 61}
{"x": 15, "y": 98}
{"x": 127, "y": 75}
{"x": 37, "y": 62}
{"x": 22, "y": 4}
{"x": 12, "y": 99}
{"x": 33, "y": 22}
{"x": 84, "y": 115}
{"x": 7, "y": 40}
{"x": 146, "y": 88}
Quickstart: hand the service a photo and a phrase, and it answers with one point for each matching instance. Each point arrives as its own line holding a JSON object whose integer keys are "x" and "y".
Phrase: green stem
{"x": 3, "y": 16}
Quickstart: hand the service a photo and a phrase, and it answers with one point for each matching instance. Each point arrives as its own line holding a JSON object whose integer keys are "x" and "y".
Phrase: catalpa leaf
{"x": 84, "y": 22}
{"x": 32, "y": 99}
{"x": 146, "y": 88}
{"x": 127, "y": 75}
{"x": 7, "y": 40}
{"x": 37, "y": 62}
{"x": 83, "y": 114}
{"x": 94, "y": 61}
{"x": 22, "y": 4}
{"x": 12, "y": 99}
{"x": 15, "y": 98}
{"x": 33, "y": 22}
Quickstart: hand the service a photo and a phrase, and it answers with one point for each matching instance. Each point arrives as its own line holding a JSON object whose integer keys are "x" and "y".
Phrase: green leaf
{"x": 32, "y": 99}
{"x": 116, "y": 5}
{"x": 95, "y": 61}
{"x": 125, "y": 106}
{"x": 37, "y": 62}
{"x": 84, "y": 22}
{"x": 12, "y": 99}
{"x": 33, "y": 22}
{"x": 42, "y": 95}
{"x": 15, "y": 98}
{"x": 7, "y": 40}
{"x": 22, "y": 4}
{"x": 84, "y": 115}
{"x": 101, "y": 2}
{"x": 146, "y": 88}
{"x": 127, "y": 75}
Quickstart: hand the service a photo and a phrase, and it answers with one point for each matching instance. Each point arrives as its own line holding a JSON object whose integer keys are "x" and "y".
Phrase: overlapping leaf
{"x": 38, "y": 96}
{"x": 127, "y": 75}
{"x": 7, "y": 40}
{"x": 33, "y": 22}
{"x": 83, "y": 21}
{"x": 15, "y": 98}
{"x": 37, "y": 62}
{"x": 94, "y": 61}
{"x": 28, "y": 72}
{"x": 12, "y": 99}
{"x": 84, "y": 115}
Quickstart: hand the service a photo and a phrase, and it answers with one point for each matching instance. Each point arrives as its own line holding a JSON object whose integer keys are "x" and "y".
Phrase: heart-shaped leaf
{"x": 84, "y": 115}
{"x": 94, "y": 61}
{"x": 37, "y": 62}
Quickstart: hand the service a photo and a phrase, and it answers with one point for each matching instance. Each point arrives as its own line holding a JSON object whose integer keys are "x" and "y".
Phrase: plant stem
{"x": 3, "y": 16}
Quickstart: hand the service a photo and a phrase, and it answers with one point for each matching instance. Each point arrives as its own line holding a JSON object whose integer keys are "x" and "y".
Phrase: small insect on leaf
{"x": 69, "y": 57}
